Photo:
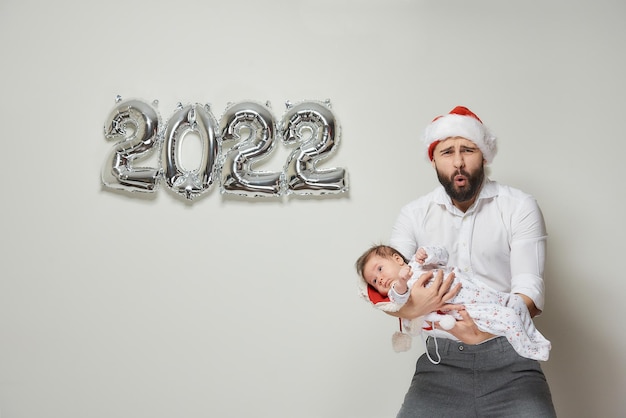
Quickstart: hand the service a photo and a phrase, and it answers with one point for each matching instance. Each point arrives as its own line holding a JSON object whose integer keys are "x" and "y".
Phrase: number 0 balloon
{"x": 198, "y": 119}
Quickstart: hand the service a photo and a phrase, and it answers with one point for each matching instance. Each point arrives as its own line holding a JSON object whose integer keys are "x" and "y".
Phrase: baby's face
{"x": 380, "y": 272}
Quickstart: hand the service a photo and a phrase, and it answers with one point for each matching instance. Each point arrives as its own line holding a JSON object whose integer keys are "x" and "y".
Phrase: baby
{"x": 386, "y": 279}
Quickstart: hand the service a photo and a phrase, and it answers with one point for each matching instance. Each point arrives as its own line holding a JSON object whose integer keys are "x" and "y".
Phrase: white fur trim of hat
{"x": 464, "y": 123}
{"x": 370, "y": 295}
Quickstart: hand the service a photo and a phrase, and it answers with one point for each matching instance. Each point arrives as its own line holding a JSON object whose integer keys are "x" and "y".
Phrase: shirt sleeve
{"x": 402, "y": 237}
{"x": 528, "y": 251}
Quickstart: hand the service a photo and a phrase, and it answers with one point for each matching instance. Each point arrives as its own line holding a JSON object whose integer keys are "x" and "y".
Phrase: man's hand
{"x": 466, "y": 330}
{"x": 424, "y": 299}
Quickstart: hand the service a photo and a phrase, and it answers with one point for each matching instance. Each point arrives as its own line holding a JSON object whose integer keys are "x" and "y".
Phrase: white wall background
{"x": 110, "y": 303}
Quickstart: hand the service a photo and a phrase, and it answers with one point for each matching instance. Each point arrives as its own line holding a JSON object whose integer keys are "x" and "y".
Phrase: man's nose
{"x": 458, "y": 160}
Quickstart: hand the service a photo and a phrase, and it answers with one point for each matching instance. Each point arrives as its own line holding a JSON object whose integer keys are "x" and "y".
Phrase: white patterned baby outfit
{"x": 495, "y": 312}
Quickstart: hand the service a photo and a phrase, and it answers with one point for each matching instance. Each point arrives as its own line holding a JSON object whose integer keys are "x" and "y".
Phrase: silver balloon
{"x": 312, "y": 125}
{"x": 253, "y": 126}
{"x": 198, "y": 119}
{"x": 141, "y": 139}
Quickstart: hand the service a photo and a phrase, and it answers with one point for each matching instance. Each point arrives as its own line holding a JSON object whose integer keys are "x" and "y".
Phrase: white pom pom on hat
{"x": 401, "y": 342}
{"x": 464, "y": 123}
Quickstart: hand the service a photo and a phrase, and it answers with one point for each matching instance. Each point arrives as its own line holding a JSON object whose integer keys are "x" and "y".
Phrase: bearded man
{"x": 496, "y": 233}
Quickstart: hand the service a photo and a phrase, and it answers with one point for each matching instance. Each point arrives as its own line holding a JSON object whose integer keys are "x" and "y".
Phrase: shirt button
{"x": 461, "y": 348}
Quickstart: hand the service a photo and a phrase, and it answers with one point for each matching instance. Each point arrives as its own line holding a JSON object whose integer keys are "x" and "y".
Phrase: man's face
{"x": 460, "y": 168}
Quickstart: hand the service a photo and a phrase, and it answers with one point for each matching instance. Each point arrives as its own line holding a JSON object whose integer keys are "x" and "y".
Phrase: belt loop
{"x": 444, "y": 345}
{"x": 501, "y": 343}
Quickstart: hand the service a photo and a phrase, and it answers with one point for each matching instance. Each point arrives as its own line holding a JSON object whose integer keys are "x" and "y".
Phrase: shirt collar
{"x": 488, "y": 190}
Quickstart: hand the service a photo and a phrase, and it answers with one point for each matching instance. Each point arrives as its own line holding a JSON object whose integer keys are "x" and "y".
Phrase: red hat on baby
{"x": 371, "y": 295}
{"x": 464, "y": 123}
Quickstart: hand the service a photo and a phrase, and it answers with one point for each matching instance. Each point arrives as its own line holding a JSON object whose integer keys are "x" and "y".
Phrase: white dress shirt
{"x": 501, "y": 239}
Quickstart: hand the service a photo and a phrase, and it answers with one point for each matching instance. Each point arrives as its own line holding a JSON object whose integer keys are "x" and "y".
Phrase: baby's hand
{"x": 420, "y": 255}
{"x": 404, "y": 275}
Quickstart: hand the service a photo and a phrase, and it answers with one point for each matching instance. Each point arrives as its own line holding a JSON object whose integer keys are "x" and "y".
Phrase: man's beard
{"x": 470, "y": 190}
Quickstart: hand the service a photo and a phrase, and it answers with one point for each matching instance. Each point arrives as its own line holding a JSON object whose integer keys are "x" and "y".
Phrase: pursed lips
{"x": 460, "y": 179}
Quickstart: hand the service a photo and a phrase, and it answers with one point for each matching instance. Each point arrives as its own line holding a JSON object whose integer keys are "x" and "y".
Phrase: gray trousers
{"x": 484, "y": 380}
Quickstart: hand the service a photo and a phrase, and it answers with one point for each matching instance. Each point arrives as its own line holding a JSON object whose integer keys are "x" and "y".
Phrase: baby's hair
{"x": 380, "y": 250}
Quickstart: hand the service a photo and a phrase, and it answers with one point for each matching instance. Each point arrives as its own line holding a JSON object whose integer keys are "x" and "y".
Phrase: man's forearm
{"x": 530, "y": 304}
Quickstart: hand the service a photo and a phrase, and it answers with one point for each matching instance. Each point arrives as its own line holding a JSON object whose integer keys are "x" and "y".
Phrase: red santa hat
{"x": 464, "y": 123}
